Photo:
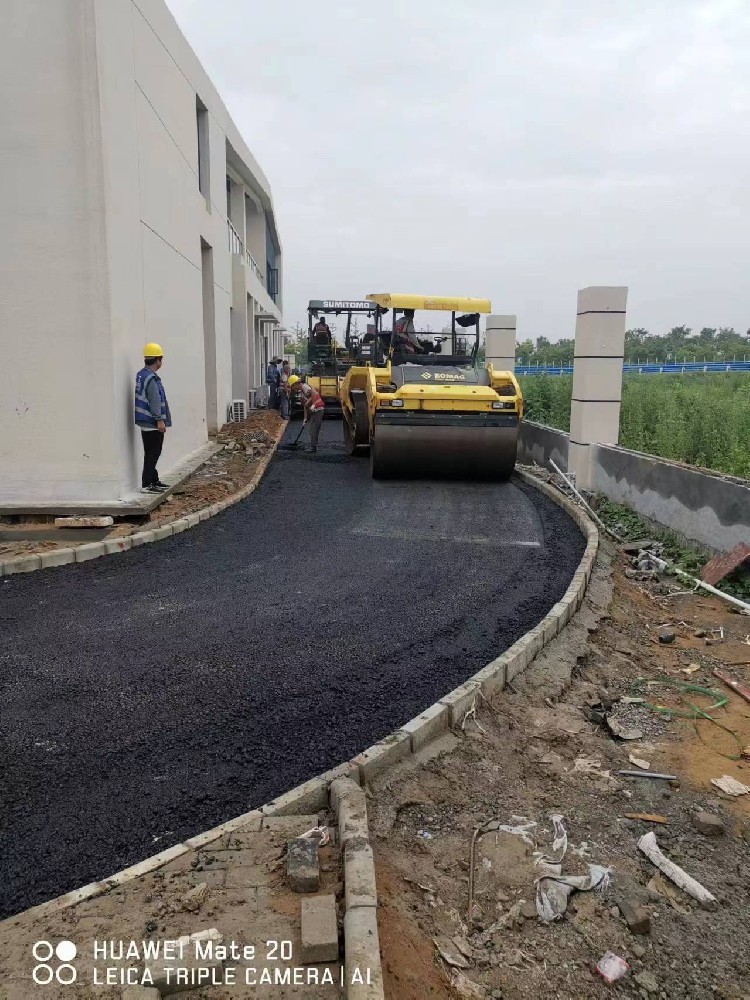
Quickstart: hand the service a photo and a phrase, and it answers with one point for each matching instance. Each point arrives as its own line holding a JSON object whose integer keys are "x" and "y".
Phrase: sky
{"x": 499, "y": 149}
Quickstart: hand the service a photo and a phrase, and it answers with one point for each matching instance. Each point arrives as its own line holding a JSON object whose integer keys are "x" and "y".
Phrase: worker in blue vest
{"x": 152, "y": 416}
{"x": 273, "y": 381}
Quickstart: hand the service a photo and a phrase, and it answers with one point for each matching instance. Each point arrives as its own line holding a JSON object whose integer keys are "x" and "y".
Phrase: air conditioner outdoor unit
{"x": 239, "y": 410}
{"x": 252, "y": 397}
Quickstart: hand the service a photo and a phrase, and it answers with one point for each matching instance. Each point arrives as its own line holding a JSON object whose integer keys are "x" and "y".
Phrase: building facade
{"x": 132, "y": 212}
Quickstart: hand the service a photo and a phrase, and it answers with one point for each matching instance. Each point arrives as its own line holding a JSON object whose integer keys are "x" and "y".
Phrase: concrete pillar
{"x": 238, "y": 313}
{"x": 500, "y": 342}
{"x": 597, "y": 375}
{"x": 252, "y": 345}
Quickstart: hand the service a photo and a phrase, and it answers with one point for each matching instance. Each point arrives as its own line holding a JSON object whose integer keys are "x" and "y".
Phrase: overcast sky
{"x": 498, "y": 148}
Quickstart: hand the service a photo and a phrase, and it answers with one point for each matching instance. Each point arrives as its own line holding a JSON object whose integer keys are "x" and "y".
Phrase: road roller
{"x": 330, "y": 355}
{"x": 420, "y": 402}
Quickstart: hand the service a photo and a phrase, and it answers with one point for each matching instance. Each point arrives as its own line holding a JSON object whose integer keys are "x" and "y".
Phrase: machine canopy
{"x": 441, "y": 303}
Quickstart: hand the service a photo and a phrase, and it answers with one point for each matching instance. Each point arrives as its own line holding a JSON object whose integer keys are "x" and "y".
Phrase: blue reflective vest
{"x": 147, "y": 380}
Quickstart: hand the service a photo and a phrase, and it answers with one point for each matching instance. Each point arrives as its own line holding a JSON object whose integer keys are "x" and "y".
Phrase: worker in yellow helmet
{"x": 313, "y": 407}
{"x": 152, "y": 416}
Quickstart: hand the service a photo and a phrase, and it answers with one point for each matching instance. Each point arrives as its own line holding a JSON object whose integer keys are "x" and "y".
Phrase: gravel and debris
{"x": 533, "y": 758}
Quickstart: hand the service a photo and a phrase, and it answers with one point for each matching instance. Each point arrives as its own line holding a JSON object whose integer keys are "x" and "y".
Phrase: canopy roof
{"x": 388, "y": 300}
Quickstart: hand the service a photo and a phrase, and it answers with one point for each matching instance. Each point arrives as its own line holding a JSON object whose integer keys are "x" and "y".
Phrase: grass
{"x": 702, "y": 419}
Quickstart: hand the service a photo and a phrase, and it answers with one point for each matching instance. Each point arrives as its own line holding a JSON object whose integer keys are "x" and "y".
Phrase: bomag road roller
{"x": 420, "y": 402}
{"x": 330, "y": 358}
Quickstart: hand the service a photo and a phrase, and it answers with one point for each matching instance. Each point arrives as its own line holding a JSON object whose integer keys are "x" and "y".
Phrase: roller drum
{"x": 406, "y": 450}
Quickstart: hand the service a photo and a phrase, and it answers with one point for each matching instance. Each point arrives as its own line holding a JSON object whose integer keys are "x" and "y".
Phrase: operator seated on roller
{"x": 322, "y": 333}
{"x": 406, "y": 338}
{"x": 407, "y": 341}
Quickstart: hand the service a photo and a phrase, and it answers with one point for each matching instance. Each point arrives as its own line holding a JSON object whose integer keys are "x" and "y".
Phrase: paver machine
{"x": 421, "y": 403}
{"x": 330, "y": 358}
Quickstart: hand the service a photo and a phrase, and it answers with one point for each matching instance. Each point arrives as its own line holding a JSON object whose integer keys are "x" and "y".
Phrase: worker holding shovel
{"x": 313, "y": 405}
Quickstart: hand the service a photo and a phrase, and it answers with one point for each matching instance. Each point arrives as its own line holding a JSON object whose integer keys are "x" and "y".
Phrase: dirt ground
{"x": 245, "y": 898}
{"x": 538, "y": 753}
{"x": 244, "y": 444}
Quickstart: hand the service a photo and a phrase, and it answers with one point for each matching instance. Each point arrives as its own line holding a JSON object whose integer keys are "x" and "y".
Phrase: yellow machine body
{"x": 431, "y": 414}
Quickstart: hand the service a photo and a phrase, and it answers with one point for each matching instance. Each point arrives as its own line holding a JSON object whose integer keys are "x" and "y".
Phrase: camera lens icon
{"x": 66, "y": 951}
{"x": 44, "y": 973}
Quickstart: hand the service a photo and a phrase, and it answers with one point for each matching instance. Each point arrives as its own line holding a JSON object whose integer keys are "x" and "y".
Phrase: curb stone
{"x": 361, "y": 942}
{"x": 340, "y": 785}
{"x": 112, "y": 546}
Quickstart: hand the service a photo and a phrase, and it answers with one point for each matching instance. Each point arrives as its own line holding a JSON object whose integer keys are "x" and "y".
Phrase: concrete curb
{"x": 336, "y": 788}
{"x": 361, "y": 942}
{"x": 111, "y": 546}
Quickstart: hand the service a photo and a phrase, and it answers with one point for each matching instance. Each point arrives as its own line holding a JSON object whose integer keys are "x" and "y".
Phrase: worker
{"x": 273, "y": 379}
{"x": 322, "y": 332}
{"x": 313, "y": 407}
{"x": 152, "y": 416}
{"x": 284, "y": 376}
{"x": 406, "y": 338}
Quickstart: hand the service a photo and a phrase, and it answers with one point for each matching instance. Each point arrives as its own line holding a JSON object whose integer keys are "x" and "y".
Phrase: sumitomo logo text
{"x": 54, "y": 963}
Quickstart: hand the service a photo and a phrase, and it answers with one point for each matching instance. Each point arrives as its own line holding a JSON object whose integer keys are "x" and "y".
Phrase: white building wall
{"x": 103, "y": 221}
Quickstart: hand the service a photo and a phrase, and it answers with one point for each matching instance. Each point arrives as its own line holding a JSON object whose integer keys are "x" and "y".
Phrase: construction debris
{"x": 302, "y": 865}
{"x": 195, "y": 898}
{"x": 98, "y": 521}
{"x": 647, "y": 817}
{"x": 633, "y": 548}
{"x": 636, "y": 916}
{"x": 658, "y": 888}
{"x": 465, "y": 988}
{"x": 647, "y": 774}
{"x": 644, "y": 765}
{"x": 729, "y": 785}
{"x": 611, "y": 967}
{"x": 622, "y": 730}
{"x": 587, "y": 765}
{"x": 709, "y": 824}
{"x": 553, "y": 888}
{"x": 648, "y": 846}
{"x": 722, "y": 565}
{"x": 691, "y": 668}
{"x": 740, "y": 689}
{"x": 449, "y": 953}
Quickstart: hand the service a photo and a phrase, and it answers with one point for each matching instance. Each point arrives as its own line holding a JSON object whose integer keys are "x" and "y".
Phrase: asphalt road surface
{"x": 154, "y": 694}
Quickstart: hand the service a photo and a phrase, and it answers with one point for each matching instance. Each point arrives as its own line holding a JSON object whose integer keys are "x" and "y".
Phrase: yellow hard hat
{"x": 153, "y": 351}
{"x": 293, "y": 380}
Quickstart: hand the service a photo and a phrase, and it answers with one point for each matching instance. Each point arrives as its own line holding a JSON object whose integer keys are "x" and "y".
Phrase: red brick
{"x": 720, "y": 566}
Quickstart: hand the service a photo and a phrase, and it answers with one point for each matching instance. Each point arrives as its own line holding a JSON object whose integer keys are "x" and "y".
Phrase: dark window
{"x": 204, "y": 178}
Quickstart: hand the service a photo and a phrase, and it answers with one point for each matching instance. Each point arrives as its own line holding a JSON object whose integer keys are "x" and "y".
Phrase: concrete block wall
{"x": 708, "y": 510}
{"x": 712, "y": 510}
{"x": 537, "y": 444}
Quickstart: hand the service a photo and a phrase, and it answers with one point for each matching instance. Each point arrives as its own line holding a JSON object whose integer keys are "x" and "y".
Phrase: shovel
{"x": 293, "y": 445}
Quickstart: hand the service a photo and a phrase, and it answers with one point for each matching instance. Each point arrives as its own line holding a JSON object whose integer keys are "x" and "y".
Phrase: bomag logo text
{"x": 449, "y": 377}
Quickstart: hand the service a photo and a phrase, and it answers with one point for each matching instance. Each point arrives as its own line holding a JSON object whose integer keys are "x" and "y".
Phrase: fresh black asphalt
{"x": 154, "y": 694}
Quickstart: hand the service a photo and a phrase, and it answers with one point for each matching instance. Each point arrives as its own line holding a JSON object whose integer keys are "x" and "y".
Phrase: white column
{"x": 252, "y": 345}
{"x": 597, "y": 375}
{"x": 500, "y": 342}
{"x": 240, "y": 369}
